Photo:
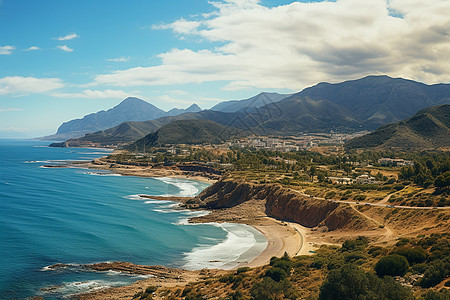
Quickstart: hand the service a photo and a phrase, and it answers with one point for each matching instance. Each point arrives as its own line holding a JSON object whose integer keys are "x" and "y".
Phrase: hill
{"x": 185, "y": 132}
{"x": 427, "y": 129}
{"x": 131, "y": 131}
{"x": 378, "y": 100}
{"x": 178, "y": 111}
{"x": 130, "y": 109}
{"x": 297, "y": 114}
{"x": 249, "y": 104}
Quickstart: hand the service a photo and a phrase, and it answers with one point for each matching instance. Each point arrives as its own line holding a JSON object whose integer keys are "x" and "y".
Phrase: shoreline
{"x": 141, "y": 171}
{"x": 282, "y": 237}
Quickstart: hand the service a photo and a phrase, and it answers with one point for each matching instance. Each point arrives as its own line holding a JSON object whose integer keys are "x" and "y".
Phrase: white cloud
{"x": 299, "y": 44}
{"x": 180, "y": 26}
{"x": 33, "y": 48}
{"x": 6, "y": 50}
{"x": 96, "y": 94}
{"x": 65, "y": 48}
{"x": 10, "y": 109}
{"x": 119, "y": 59}
{"x": 17, "y": 85}
{"x": 68, "y": 37}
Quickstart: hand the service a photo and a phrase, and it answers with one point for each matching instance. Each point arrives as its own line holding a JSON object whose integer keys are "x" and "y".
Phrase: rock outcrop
{"x": 281, "y": 203}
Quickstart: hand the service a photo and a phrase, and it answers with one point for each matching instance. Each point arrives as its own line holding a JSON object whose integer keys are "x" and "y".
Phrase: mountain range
{"x": 248, "y": 105}
{"x": 429, "y": 128}
{"x": 363, "y": 104}
{"x": 130, "y": 109}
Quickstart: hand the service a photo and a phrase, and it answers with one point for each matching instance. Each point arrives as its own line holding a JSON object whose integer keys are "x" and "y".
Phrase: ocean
{"x": 79, "y": 216}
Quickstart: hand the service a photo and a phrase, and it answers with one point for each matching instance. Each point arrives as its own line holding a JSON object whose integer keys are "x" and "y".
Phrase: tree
{"x": 348, "y": 282}
{"x": 351, "y": 282}
{"x": 312, "y": 172}
{"x": 443, "y": 180}
{"x": 392, "y": 265}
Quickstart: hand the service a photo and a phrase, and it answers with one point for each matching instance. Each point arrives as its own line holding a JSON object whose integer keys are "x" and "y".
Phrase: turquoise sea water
{"x": 79, "y": 216}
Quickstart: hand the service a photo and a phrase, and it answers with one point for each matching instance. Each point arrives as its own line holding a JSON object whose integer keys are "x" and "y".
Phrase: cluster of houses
{"x": 273, "y": 144}
{"x": 362, "y": 179}
{"x": 395, "y": 162}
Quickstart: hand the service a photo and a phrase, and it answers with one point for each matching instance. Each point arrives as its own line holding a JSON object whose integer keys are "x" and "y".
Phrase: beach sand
{"x": 144, "y": 171}
{"x": 282, "y": 237}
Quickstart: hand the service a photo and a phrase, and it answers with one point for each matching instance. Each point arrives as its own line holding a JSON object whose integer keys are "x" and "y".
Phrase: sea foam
{"x": 242, "y": 244}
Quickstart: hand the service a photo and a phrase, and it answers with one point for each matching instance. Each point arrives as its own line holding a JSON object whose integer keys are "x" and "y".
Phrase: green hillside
{"x": 300, "y": 114}
{"x": 427, "y": 129}
{"x": 185, "y": 132}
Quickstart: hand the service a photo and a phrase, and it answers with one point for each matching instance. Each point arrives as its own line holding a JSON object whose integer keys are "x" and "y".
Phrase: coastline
{"x": 282, "y": 237}
{"x": 143, "y": 171}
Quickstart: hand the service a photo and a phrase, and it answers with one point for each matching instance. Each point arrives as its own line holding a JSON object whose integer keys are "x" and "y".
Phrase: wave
{"x": 97, "y": 173}
{"x": 78, "y": 287}
{"x": 242, "y": 244}
{"x": 187, "y": 188}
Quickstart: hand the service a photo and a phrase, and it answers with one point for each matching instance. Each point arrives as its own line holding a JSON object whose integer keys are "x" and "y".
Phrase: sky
{"x": 61, "y": 60}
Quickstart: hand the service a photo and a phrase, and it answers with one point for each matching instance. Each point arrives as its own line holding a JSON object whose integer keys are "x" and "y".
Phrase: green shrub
{"x": 283, "y": 264}
{"x": 442, "y": 294}
{"x": 351, "y": 282}
{"x": 419, "y": 268}
{"x": 318, "y": 263}
{"x": 242, "y": 270}
{"x": 413, "y": 255}
{"x": 376, "y": 250}
{"x": 392, "y": 265}
{"x": 354, "y": 256}
{"x": 270, "y": 289}
{"x": 360, "y": 197}
{"x": 402, "y": 242}
{"x": 436, "y": 272}
{"x": 358, "y": 244}
{"x": 277, "y": 274}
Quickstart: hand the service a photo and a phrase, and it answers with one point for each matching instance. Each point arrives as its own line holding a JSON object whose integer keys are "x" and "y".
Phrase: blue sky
{"x": 61, "y": 60}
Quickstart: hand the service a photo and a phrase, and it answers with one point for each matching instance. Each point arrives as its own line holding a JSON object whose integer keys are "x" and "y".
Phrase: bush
{"x": 270, "y": 289}
{"x": 277, "y": 274}
{"x": 392, "y": 265}
{"x": 358, "y": 244}
{"x": 147, "y": 294}
{"x": 283, "y": 264}
{"x": 351, "y": 282}
{"x": 413, "y": 255}
{"x": 419, "y": 268}
{"x": 318, "y": 263}
{"x": 435, "y": 273}
{"x": 376, "y": 250}
{"x": 242, "y": 270}
{"x": 354, "y": 256}
{"x": 442, "y": 294}
{"x": 360, "y": 197}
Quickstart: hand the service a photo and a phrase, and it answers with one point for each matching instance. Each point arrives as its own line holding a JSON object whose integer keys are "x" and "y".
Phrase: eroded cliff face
{"x": 281, "y": 203}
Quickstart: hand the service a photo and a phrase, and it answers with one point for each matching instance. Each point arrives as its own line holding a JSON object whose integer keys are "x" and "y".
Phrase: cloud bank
{"x": 299, "y": 44}
{"x": 18, "y": 86}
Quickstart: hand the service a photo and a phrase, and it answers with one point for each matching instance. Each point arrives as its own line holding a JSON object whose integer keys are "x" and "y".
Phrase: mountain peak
{"x": 132, "y": 101}
{"x": 193, "y": 108}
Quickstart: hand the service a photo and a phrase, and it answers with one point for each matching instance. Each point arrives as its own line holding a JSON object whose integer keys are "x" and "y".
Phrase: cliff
{"x": 281, "y": 203}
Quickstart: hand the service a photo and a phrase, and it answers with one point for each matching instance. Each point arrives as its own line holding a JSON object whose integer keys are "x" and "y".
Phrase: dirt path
{"x": 388, "y": 233}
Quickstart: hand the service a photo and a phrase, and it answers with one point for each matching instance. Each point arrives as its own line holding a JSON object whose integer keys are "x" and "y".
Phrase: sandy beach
{"x": 282, "y": 237}
{"x": 144, "y": 171}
